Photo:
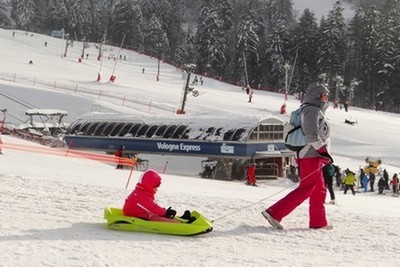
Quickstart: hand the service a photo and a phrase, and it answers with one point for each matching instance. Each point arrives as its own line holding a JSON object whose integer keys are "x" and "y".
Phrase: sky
{"x": 322, "y": 7}
{"x": 53, "y": 200}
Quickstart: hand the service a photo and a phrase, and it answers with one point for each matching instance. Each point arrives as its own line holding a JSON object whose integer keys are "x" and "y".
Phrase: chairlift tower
{"x": 287, "y": 67}
{"x": 83, "y": 47}
{"x": 189, "y": 68}
{"x": 159, "y": 46}
{"x": 66, "y": 44}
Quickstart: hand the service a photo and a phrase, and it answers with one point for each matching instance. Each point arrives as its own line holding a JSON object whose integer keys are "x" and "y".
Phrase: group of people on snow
{"x": 384, "y": 183}
{"x": 367, "y": 182}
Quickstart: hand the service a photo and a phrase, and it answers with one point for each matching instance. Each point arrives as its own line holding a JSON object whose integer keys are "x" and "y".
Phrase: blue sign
{"x": 178, "y": 147}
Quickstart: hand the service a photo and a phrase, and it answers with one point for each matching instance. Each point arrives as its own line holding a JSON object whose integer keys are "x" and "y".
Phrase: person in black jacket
{"x": 386, "y": 177}
{"x": 371, "y": 181}
{"x": 119, "y": 155}
{"x": 381, "y": 185}
{"x": 329, "y": 171}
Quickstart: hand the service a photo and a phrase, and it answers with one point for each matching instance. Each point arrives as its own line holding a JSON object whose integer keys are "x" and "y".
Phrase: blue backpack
{"x": 295, "y": 139}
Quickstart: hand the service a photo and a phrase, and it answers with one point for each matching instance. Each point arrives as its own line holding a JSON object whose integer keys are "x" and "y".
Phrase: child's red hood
{"x": 150, "y": 179}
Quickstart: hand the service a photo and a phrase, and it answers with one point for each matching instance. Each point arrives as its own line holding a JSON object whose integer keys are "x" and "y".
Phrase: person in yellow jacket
{"x": 349, "y": 181}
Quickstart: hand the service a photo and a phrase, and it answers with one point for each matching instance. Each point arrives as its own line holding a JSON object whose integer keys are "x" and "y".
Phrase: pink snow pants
{"x": 311, "y": 186}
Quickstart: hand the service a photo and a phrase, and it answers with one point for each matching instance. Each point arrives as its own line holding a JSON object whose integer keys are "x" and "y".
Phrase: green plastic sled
{"x": 117, "y": 221}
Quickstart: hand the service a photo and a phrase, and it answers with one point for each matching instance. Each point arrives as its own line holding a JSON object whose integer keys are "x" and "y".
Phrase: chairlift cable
{"x": 16, "y": 101}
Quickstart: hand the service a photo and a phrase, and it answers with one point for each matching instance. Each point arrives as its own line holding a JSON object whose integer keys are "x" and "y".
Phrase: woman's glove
{"x": 324, "y": 153}
{"x": 170, "y": 213}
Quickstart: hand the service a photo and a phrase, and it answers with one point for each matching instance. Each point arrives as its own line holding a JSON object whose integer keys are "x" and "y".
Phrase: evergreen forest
{"x": 262, "y": 43}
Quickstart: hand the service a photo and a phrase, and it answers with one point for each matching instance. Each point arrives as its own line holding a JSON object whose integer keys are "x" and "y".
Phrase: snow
{"x": 53, "y": 200}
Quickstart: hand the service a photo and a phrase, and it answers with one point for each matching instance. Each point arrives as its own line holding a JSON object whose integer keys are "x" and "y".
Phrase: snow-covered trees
{"x": 279, "y": 22}
{"x": 305, "y": 40}
{"x": 128, "y": 21}
{"x": 22, "y": 12}
{"x": 373, "y": 53}
{"x": 218, "y": 35}
{"x": 388, "y": 49}
{"x": 155, "y": 38}
{"x": 5, "y": 19}
{"x": 369, "y": 55}
{"x": 98, "y": 20}
{"x": 332, "y": 43}
{"x": 185, "y": 50}
{"x": 212, "y": 35}
{"x": 247, "y": 46}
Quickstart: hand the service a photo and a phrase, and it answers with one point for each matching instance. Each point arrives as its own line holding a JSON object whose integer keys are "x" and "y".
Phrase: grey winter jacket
{"x": 313, "y": 121}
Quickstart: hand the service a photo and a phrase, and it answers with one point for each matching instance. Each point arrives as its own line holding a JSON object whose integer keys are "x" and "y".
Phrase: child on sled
{"x": 141, "y": 202}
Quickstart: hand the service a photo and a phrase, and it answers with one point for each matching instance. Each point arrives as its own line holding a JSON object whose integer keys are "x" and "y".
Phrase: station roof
{"x": 206, "y": 127}
{"x": 46, "y": 112}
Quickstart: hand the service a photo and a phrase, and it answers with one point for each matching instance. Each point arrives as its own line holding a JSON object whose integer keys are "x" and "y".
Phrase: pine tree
{"x": 5, "y": 19}
{"x": 247, "y": 47}
{"x": 369, "y": 54}
{"x": 225, "y": 11}
{"x": 81, "y": 24}
{"x": 100, "y": 19}
{"x": 58, "y": 15}
{"x": 22, "y": 13}
{"x": 279, "y": 20}
{"x": 332, "y": 43}
{"x": 171, "y": 22}
{"x": 279, "y": 10}
{"x": 388, "y": 50}
{"x": 275, "y": 54}
{"x": 305, "y": 46}
{"x": 185, "y": 50}
{"x": 356, "y": 35}
{"x": 155, "y": 39}
{"x": 211, "y": 39}
{"x": 41, "y": 17}
{"x": 128, "y": 21}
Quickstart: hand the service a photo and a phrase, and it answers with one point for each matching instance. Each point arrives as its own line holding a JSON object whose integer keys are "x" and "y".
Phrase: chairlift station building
{"x": 230, "y": 142}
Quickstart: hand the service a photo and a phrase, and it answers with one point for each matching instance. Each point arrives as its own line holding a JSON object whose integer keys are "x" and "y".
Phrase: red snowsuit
{"x": 251, "y": 174}
{"x": 141, "y": 204}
